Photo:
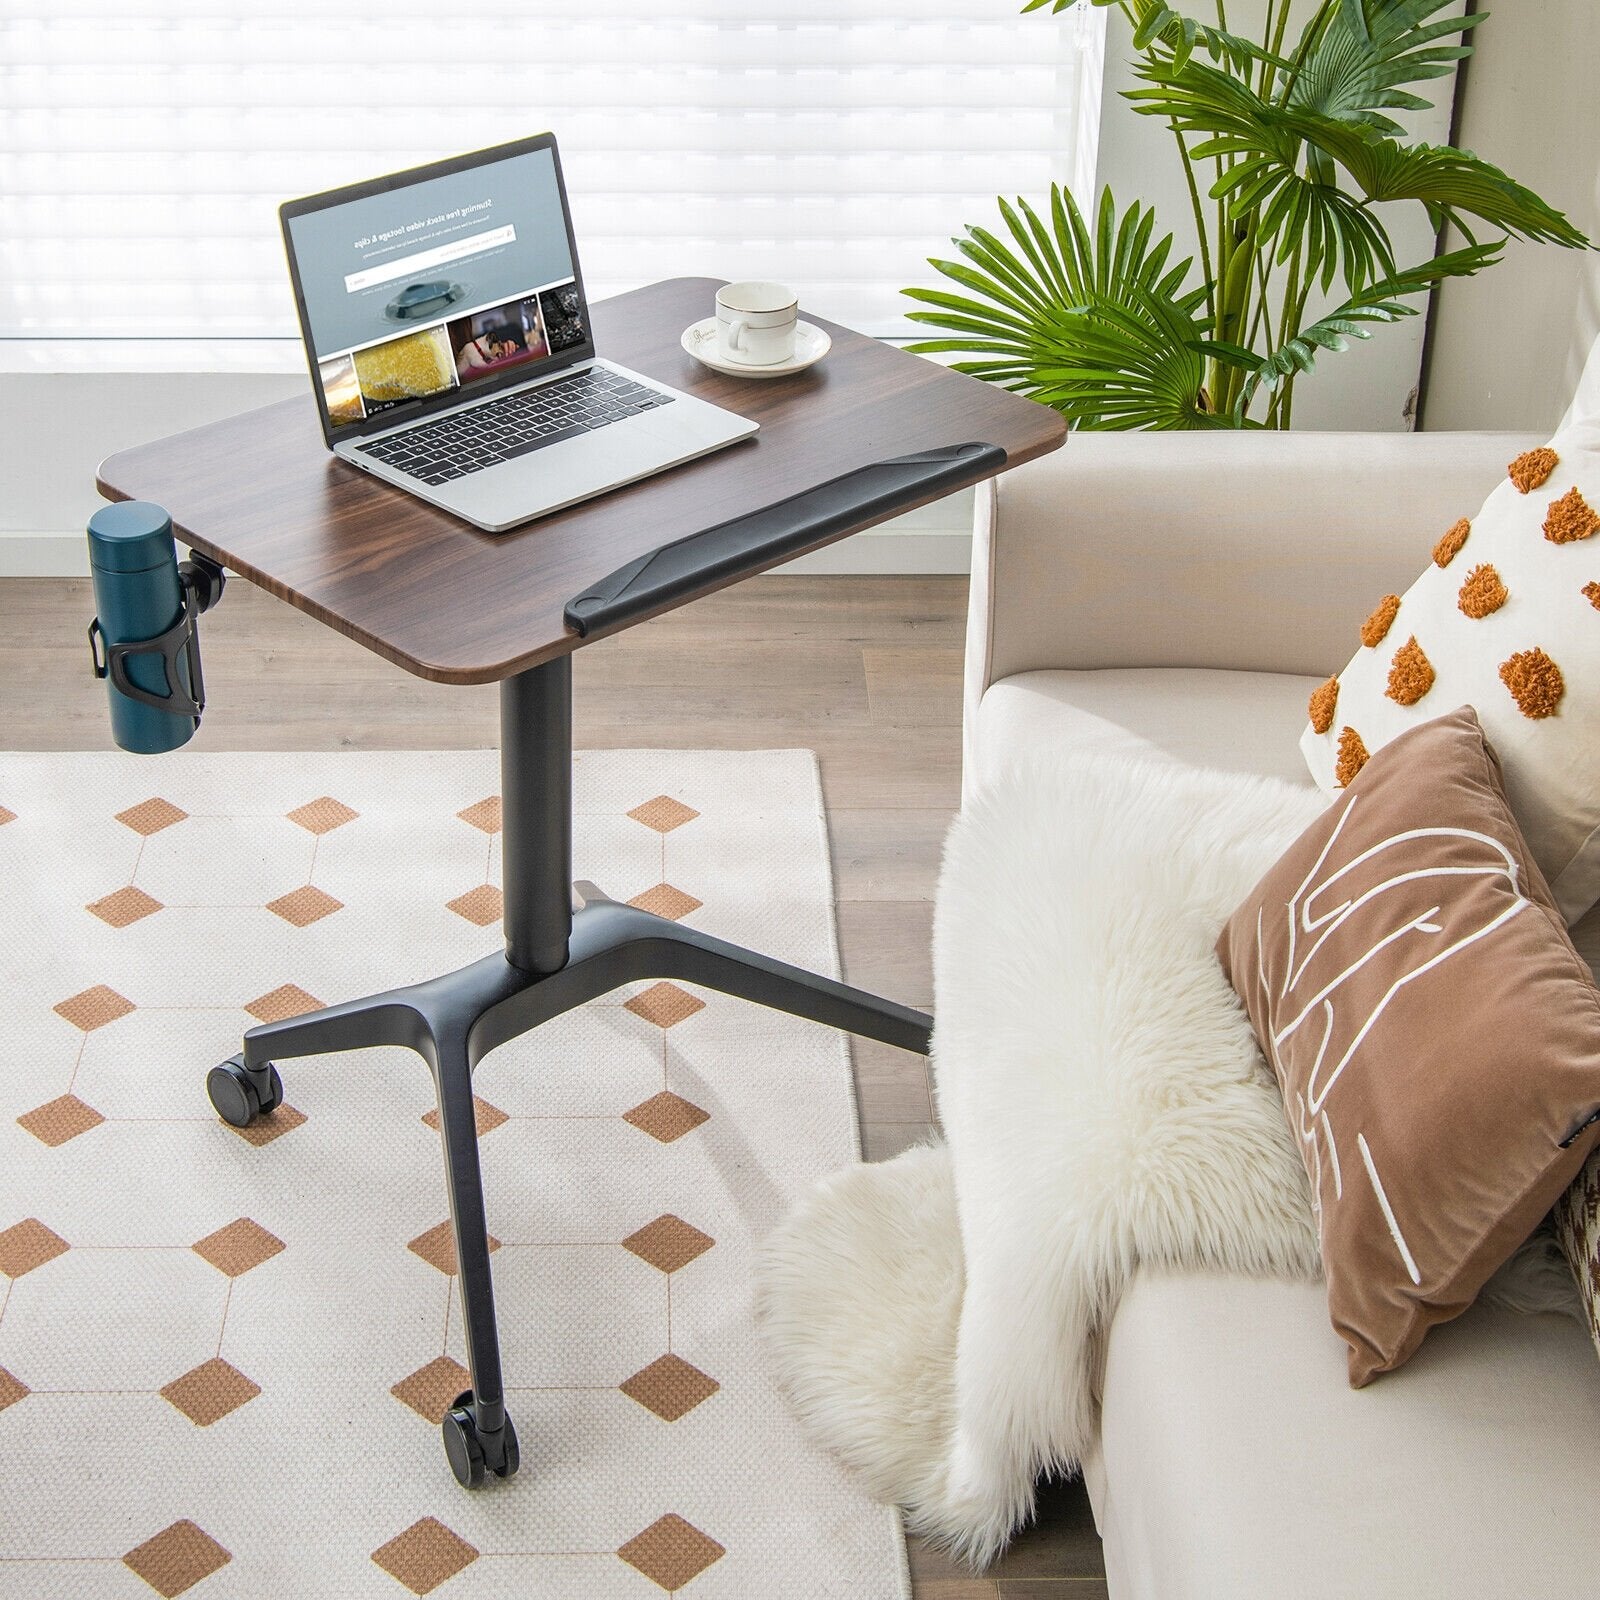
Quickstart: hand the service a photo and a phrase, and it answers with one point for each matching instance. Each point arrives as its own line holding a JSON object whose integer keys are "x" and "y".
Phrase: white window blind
{"x": 145, "y": 146}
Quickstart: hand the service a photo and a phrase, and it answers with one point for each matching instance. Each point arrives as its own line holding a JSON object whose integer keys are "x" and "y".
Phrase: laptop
{"x": 450, "y": 348}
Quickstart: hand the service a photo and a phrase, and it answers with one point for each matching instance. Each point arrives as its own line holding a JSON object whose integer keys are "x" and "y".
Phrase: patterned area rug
{"x": 224, "y": 1355}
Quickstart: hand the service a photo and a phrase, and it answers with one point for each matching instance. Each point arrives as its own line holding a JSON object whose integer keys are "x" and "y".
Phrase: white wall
{"x": 1508, "y": 344}
{"x": 58, "y": 427}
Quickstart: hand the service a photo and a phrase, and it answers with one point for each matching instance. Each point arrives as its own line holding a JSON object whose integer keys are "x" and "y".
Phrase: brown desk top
{"x": 262, "y": 494}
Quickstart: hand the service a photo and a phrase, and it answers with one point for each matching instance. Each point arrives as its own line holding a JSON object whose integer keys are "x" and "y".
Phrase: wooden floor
{"x": 865, "y": 671}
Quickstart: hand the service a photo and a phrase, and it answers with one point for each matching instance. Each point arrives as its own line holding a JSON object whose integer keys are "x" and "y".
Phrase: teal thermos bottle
{"x": 138, "y": 595}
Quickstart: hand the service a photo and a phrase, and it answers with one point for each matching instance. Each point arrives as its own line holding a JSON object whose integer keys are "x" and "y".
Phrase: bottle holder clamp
{"x": 203, "y": 580}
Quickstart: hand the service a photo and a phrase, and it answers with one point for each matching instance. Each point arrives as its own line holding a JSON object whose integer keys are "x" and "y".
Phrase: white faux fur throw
{"x": 1104, "y": 1104}
{"x": 936, "y": 1319}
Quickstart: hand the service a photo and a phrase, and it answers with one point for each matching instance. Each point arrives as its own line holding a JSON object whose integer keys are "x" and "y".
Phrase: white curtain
{"x": 833, "y": 144}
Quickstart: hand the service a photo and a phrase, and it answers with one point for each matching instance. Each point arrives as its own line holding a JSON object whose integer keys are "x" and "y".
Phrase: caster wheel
{"x": 274, "y": 1096}
{"x": 462, "y": 1448}
{"x": 513, "y": 1453}
{"x": 235, "y": 1096}
{"x": 465, "y": 1451}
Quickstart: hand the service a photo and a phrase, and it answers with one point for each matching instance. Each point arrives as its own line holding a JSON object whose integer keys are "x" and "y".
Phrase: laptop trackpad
{"x": 570, "y": 470}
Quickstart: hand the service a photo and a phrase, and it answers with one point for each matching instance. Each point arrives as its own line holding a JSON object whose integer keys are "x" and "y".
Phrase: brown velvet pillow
{"x": 1435, "y": 1034}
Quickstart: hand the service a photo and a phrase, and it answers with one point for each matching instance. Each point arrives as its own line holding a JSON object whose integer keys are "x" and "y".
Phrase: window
{"x": 827, "y": 143}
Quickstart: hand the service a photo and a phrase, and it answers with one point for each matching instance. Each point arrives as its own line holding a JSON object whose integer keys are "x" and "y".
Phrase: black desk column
{"x": 536, "y": 814}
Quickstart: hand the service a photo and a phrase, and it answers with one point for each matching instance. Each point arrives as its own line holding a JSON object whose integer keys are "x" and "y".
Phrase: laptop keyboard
{"x": 515, "y": 425}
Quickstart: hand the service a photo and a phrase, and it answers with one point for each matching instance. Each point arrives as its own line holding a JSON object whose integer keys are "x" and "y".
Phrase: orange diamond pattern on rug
{"x": 663, "y": 813}
{"x": 430, "y": 1390}
{"x": 668, "y": 1243}
{"x": 485, "y": 1116}
{"x": 287, "y": 1000}
{"x": 322, "y": 816}
{"x": 6, "y": 816}
{"x": 671, "y": 1551}
{"x": 285, "y": 1119}
{"x": 666, "y": 901}
{"x": 209, "y": 1392}
{"x": 177, "y": 1558}
{"x": 151, "y": 816}
{"x": 58, "y": 1120}
{"x": 304, "y": 906}
{"x": 29, "y": 1244}
{"x": 425, "y": 1555}
{"x": 664, "y": 1004}
{"x": 666, "y": 1116}
{"x": 237, "y": 1248}
{"x": 12, "y": 1389}
{"x": 124, "y": 907}
{"x": 669, "y": 1387}
{"x": 485, "y": 815}
{"x": 480, "y": 906}
{"x": 438, "y": 1248}
{"x": 93, "y": 1008}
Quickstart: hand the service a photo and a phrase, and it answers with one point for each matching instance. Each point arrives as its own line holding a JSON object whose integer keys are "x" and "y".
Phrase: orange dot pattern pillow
{"x": 1505, "y": 617}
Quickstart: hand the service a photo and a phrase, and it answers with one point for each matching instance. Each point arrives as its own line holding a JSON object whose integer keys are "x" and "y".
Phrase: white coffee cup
{"x": 756, "y": 323}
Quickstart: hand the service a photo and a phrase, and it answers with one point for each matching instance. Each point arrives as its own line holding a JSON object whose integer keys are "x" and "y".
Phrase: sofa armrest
{"x": 1257, "y": 551}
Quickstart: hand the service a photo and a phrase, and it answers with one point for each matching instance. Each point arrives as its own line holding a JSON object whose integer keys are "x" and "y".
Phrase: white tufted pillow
{"x": 1506, "y": 618}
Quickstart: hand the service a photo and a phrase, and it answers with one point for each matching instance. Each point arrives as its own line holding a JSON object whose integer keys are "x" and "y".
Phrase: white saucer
{"x": 810, "y": 346}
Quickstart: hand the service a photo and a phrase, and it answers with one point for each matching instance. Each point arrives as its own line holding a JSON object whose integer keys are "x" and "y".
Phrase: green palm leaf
{"x": 1260, "y": 146}
{"x": 1094, "y": 322}
{"x": 1453, "y": 184}
{"x": 1281, "y": 161}
{"x": 1355, "y": 60}
{"x": 1155, "y": 22}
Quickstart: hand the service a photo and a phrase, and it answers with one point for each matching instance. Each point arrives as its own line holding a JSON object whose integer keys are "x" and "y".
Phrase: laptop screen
{"x": 415, "y": 289}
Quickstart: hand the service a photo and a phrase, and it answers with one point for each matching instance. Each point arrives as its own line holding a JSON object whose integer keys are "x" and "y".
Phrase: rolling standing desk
{"x": 867, "y": 433}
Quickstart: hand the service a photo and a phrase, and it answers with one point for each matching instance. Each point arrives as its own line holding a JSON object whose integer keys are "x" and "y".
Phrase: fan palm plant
{"x": 1292, "y": 142}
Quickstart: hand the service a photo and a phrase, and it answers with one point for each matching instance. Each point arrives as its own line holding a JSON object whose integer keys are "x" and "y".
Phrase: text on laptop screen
{"x": 437, "y": 285}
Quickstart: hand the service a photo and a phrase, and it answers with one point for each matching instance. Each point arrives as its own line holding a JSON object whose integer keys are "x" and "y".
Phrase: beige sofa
{"x": 1181, "y": 595}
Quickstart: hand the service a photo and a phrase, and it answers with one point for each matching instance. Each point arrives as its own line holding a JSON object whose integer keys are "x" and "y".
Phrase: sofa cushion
{"x": 1233, "y": 721}
{"x": 1234, "y": 1460}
